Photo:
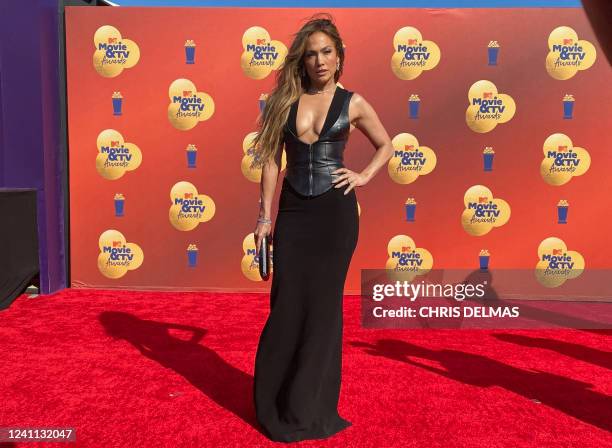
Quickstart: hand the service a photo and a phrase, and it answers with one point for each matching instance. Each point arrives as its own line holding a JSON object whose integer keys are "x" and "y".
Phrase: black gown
{"x": 299, "y": 356}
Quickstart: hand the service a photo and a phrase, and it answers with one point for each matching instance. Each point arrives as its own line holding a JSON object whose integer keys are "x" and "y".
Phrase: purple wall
{"x": 30, "y": 134}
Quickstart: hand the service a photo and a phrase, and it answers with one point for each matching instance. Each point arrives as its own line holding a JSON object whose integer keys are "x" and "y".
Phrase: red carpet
{"x": 144, "y": 369}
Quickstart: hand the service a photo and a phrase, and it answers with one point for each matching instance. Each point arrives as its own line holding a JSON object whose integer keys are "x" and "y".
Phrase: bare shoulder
{"x": 358, "y": 107}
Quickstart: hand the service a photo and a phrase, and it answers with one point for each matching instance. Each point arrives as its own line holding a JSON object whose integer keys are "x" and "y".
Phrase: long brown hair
{"x": 291, "y": 80}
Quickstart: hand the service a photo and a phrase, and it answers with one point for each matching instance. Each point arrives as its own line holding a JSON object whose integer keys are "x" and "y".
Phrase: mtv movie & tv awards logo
{"x": 412, "y": 54}
{"x": 188, "y": 106}
{"x": 113, "y": 53}
{"x": 260, "y": 53}
{"x": 249, "y": 263}
{"x": 117, "y": 256}
{"x": 410, "y": 160}
{"x": 487, "y": 107}
{"x": 556, "y": 264}
{"x": 115, "y": 156}
{"x": 567, "y": 54}
{"x": 254, "y": 174}
{"x": 563, "y": 160}
{"x": 482, "y": 211}
{"x": 189, "y": 208}
{"x": 406, "y": 260}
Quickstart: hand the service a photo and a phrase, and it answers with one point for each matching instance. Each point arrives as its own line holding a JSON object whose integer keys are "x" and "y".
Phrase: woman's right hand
{"x": 261, "y": 230}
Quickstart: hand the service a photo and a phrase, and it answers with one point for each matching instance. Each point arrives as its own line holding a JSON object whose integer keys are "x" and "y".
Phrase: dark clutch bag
{"x": 264, "y": 258}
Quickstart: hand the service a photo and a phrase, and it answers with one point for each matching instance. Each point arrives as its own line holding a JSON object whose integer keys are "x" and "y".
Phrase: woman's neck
{"x": 321, "y": 88}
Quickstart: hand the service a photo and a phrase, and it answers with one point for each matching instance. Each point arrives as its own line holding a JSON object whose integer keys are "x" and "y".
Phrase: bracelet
{"x": 264, "y": 220}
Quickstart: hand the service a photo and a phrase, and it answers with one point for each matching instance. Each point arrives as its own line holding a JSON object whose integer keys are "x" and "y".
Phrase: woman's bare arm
{"x": 366, "y": 120}
{"x": 269, "y": 179}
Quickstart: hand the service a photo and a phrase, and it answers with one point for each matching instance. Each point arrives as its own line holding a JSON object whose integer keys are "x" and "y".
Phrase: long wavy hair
{"x": 291, "y": 81}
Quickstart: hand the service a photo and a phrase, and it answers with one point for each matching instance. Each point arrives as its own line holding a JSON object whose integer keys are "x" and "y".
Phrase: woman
{"x": 298, "y": 361}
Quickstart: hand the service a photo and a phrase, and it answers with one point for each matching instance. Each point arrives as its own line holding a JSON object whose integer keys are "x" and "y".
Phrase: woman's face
{"x": 320, "y": 58}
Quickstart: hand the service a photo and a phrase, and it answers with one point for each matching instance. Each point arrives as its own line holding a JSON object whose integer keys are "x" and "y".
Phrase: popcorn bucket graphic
{"x": 117, "y": 103}
{"x": 262, "y": 102}
{"x": 488, "y": 154}
{"x": 493, "y": 52}
{"x": 568, "y": 107}
{"x": 190, "y": 52}
{"x": 484, "y": 259}
{"x": 119, "y": 205}
{"x": 192, "y": 256}
{"x": 192, "y": 153}
{"x": 562, "y": 209}
{"x": 410, "y": 207}
{"x": 413, "y": 106}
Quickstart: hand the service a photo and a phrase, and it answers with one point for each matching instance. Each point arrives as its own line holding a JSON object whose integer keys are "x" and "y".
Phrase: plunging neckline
{"x": 324, "y": 129}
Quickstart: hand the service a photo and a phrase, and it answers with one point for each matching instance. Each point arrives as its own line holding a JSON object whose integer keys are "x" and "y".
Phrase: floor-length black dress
{"x": 299, "y": 357}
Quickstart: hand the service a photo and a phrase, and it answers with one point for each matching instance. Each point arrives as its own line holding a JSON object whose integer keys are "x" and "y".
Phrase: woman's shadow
{"x": 226, "y": 385}
{"x": 572, "y": 397}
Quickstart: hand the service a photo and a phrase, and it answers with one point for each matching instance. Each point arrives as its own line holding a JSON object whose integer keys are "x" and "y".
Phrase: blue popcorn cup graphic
{"x": 262, "y": 102}
{"x": 119, "y": 205}
{"x": 413, "y": 106}
{"x": 562, "y": 209}
{"x": 493, "y": 52}
{"x": 192, "y": 153}
{"x": 568, "y": 107}
{"x": 117, "y": 103}
{"x": 192, "y": 256}
{"x": 410, "y": 207}
{"x": 190, "y": 52}
{"x": 483, "y": 258}
{"x": 487, "y": 157}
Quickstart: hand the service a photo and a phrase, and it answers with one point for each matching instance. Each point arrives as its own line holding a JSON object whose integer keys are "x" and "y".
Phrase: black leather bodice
{"x": 310, "y": 166}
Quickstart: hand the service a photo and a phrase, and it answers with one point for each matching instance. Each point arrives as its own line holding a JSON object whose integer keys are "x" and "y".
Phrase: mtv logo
{"x": 406, "y": 248}
{"x": 486, "y": 95}
{"x": 186, "y": 92}
{"x": 568, "y": 41}
{"x": 116, "y": 243}
{"x": 412, "y": 41}
{"x": 112, "y": 40}
{"x": 562, "y": 149}
{"x": 482, "y": 200}
{"x": 261, "y": 41}
{"x": 408, "y": 147}
{"x": 557, "y": 251}
{"x": 114, "y": 143}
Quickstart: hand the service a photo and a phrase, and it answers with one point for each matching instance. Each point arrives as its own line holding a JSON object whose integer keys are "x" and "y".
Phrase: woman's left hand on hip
{"x": 348, "y": 177}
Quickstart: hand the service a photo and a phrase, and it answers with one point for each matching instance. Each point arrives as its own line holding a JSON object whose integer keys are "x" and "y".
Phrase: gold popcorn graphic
{"x": 189, "y": 208}
{"x": 406, "y": 261}
{"x": 254, "y": 174}
{"x": 117, "y": 256}
{"x": 556, "y": 264}
{"x": 115, "y": 156}
{"x": 113, "y": 53}
{"x": 487, "y": 107}
{"x": 261, "y": 54}
{"x": 482, "y": 211}
{"x": 188, "y": 106}
{"x": 249, "y": 263}
{"x": 410, "y": 160}
{"x": 412, "y": 54}
{"x": 567, "y": 54}
{"x": 563, "y": 160}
